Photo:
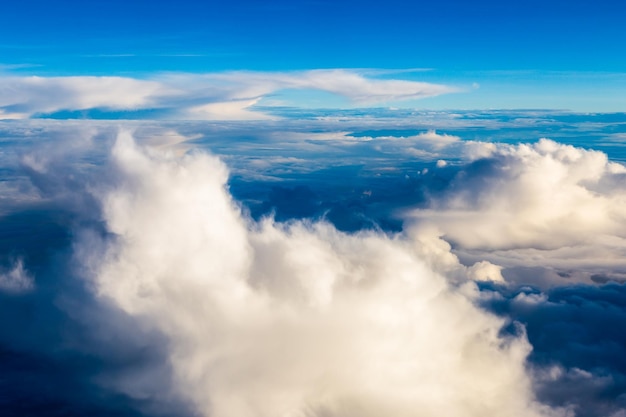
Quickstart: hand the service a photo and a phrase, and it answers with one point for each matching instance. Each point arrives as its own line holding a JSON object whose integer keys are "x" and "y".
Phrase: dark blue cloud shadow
{"x": 579, "y": 329}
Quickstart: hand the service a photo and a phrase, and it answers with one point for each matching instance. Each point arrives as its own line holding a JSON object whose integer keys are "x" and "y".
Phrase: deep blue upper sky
{"x": 460, "y": 39}
{"x": 71, "y": 36}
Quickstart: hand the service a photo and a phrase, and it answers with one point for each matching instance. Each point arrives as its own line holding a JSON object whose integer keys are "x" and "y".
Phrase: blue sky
{"x": 536, "y": 54}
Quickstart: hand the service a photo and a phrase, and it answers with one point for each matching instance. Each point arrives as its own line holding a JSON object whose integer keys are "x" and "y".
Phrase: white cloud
{"x": 29, "y": 95}
{"x": 227, "y": 95}
{"x": 430, "y": 139}
{"x": 299, "y": 319}
{"x": 230, "y": 110}
{"x": 426, "y": 145}
{"x": 485, "y": 271}
{"x": 263, "y": 314}
{"x": 544, "y": 204}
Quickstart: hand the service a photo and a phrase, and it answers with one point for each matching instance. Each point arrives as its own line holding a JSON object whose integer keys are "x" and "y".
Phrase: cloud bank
{"x": 295, "y": 319}
{"x": 542, "y": 205}
{"x": 213, "y": 96}
{"x": 131, "y": 257}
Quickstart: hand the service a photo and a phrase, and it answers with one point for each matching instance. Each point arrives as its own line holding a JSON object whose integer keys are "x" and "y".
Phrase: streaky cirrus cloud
{"x": 226, "y": 95}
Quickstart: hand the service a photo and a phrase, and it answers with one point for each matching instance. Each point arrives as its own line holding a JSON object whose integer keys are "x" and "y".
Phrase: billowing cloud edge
{"x": 295, "y": 319}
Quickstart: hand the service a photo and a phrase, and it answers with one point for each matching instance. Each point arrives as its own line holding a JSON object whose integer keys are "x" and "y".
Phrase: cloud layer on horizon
{"x": 264, "y": 318}
{"x": 212, "y": 96}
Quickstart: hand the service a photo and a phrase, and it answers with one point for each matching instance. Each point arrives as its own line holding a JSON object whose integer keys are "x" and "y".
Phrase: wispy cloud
{"x": 226, "y": 95}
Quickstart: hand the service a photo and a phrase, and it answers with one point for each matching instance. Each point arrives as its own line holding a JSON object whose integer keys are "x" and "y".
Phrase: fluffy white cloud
{"x": 545, "y": 204}
{"x": 485, "y": 271}
{"x": 426, "y": 145}
{"x": 298, "y": 319}
{"x": 227, "y": 95}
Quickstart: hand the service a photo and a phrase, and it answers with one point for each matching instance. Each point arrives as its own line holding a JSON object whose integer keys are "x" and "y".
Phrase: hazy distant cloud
{"x": 425, "y": 145}
{"x": 225, "y": 110}
{"x": 30, "y": 95}
{"x": 227, "y": 95}
{"x": 349, "y": 84}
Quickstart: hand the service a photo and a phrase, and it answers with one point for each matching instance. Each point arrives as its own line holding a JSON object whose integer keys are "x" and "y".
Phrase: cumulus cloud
{"x": 542, "y": 204}
{"x": 229, "y": 110}
{"x": 485, "y": 271}
{"x": 177, "y": 295}
{"x": 426, "y": 145}
{"x": 294, "y": 319}
{"x": 222, "y": 96}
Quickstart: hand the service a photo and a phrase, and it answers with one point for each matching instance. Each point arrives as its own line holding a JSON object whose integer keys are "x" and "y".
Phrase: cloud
{"x": 544, "y": 204}
{"x": 426, "y": 145}
{"x": 227, "y": 95}
{"x": 291, "y": 319}
{"x": 153, "y": 278}
{"x": 485, "y": 271}
{"x": 231, "y": 110}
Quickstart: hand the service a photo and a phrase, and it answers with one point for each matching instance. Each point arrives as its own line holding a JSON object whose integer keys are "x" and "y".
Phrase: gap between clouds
{"x": 212, "y": 96}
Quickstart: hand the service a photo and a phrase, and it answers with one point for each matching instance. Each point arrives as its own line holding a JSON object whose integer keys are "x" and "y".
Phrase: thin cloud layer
{"x": 219, "y": 96}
